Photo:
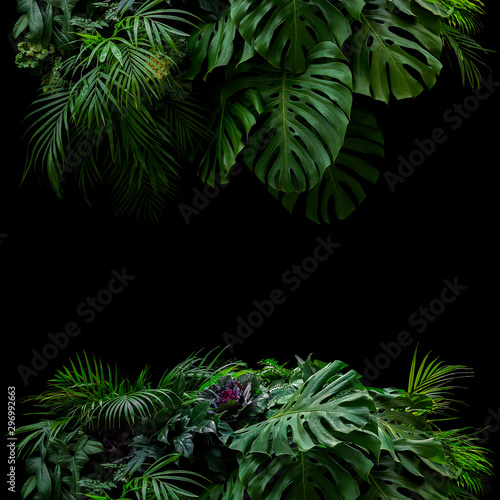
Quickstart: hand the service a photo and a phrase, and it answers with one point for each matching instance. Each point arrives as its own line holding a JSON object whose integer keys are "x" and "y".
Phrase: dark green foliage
{"x": 215, "y": 430}
{"x": 134, "y": 91}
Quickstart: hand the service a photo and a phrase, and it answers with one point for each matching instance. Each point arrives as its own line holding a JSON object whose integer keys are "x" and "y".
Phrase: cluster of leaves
{"x": 144, "y": 87}
{"x": 218, "y": 430}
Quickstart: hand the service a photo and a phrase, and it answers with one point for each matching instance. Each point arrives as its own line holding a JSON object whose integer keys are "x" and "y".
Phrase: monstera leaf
{"x": 387, "y": 482}
{"x": 232, "y": 489}
{"x": 211, "y": 41}
{"x": 284, "y": 31}
{"x": 316, "y": 415}
{"x": 303, "y": 121}
{"x": 362, "y": 142}
{"x": 354, "y": 7}
{"x": 299, "y": 477}
{"x": 395, "y": 54}
{"x": 231, "y": 123}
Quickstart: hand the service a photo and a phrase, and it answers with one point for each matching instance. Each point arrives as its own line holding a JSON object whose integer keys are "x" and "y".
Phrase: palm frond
{"x": 93, "y": 394}
{"x": 471, "y": 462}
{"x": 188, "y": 121}
{"x": 198, "y": 372}
{"x": 161, "y": 483}
{"x": 468, "y": 54}
{"x": 464, "y": 14}
{"x": 38, "y": 431}
{"x": 49, "y": 134}
{"x": 435, "y": 380}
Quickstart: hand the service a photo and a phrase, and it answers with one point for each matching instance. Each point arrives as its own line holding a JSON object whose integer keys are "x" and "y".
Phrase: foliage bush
{"x": 218, "y": 430}
{"x": 132, "y": 92}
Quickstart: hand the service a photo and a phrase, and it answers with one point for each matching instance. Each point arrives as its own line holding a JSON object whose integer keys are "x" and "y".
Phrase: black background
{"x": 192, "y": 281}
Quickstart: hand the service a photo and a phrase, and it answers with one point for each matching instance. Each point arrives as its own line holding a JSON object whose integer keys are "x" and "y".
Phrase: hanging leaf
{"x": 35, "y": 19}
{"x": 341, "y": 181}
{"x": 393, "y": 54}
{"x": 285, "y": 31}
{"x": 304, "y": 118}
{"x": 232, "y": 123}
{"x": 212, "y": 42}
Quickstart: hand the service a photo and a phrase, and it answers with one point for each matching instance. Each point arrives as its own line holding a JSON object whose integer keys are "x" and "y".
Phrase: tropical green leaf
{"x": 66, "y": 7}
{"x": 21, "y": 24}
{"x": 231, "y": 125}
{"x": 43, "y": 481}
{"x": 28, "y": 486}
{"x": 303, "y": 121}
{"x": 212, "y": 42}
{"x": 434, "y": 6}
{"x": 56, "y": 482}
{"x": 472, "y": 463}
{"x": 35, "y": 19}
{"x": 315, "y": 415}
{"x": 434, "y": 380}
{"x": 313, "y": 475}
{"x": 354, "y": 7}
{"x": 48, "y": 25}
{"x": 232, "y": 489}
{"x": 468, "y": 54}
{"x": 341, "y": 180}
{"x": 163, "y": 481}
{"x": 465, "y": 14}
{"x": 386, "y": 482}
{"x": 285, "y": 32}
{"x": 189, "y": 123}
{"x": 393, "y": 54}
